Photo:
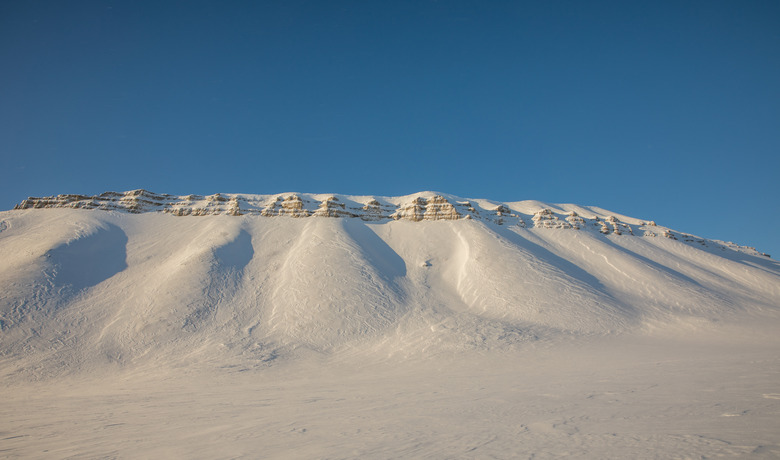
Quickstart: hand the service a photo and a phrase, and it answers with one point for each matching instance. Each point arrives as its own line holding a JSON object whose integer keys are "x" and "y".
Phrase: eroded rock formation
{"x": 419, "y": 207}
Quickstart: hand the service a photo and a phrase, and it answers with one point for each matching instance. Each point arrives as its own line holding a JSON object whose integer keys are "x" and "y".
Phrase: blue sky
{"x": 659, "y": 110}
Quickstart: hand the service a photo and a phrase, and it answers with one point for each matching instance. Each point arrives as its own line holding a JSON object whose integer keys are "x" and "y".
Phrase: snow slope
{"x": 82, "y": 287}
{"x": 155, "y": 291}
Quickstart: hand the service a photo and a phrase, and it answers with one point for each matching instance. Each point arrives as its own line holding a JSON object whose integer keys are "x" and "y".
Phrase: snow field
{"x": 151, "y": 335}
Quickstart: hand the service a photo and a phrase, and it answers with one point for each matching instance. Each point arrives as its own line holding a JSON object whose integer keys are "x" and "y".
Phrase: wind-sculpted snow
{"x": 50, "y": 262}
{"x": 89, "y": 259}
{"x": 505, "y": 276}
{"x": 328, "y": 292}
{"x": 81, "y": 288}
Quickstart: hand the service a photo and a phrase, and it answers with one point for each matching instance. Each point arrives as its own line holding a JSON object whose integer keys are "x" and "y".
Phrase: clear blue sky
{"x": 659, "y": 110}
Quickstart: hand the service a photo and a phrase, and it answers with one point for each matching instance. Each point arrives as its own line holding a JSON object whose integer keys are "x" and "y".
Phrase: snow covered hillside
{"x": 238, "y": 277}
{"x": 330, "y": 326}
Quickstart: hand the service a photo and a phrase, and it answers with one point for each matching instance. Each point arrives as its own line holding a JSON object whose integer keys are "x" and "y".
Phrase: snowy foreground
{"x": 162, "y": 335}
{"x": 621, "y": 398}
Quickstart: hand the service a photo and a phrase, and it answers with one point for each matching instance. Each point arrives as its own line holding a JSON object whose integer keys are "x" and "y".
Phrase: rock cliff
{"x": 423, "y": 206}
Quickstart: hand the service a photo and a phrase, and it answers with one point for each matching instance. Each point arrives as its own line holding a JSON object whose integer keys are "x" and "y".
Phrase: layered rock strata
{"x": 416, "y": 208}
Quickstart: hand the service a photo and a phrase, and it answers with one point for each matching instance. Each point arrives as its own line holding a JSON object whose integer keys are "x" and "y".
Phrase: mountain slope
{"x": 147, "y": 283}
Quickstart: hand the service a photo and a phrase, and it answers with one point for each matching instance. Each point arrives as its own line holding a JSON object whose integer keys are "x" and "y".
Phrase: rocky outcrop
{"x": 434, "y": 208}
{"x": 414, "y": 211}
{"x": 425, "y": 206}
{"x": 375, "y": 211}
{"x": 545, "y": 218}
{"x": 502, "y": 214}
{"x": 332, "y": 207}
{"x": 438, "y": 208}
{"x": 612, "y": 224}
{"x": 291, "y": 205}
{"x": 575, "y": 220}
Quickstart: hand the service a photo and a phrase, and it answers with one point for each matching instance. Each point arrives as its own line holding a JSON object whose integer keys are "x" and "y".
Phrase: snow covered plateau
{"x": 141, "y": 325}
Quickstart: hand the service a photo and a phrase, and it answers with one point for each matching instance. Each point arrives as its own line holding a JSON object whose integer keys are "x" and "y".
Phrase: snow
{"x": 221, "y": 336}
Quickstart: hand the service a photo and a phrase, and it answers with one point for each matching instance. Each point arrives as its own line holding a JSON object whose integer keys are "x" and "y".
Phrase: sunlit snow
{"x": 512, "y": 333}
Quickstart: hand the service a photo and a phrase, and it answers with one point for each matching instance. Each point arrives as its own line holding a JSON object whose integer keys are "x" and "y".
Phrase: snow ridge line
{"x": 422, "y": 206}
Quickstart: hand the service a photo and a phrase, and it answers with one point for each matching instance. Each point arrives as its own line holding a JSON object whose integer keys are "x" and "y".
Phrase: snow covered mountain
{"x": 138, "y": 325}
{"x": 416, "y": 207}
{"x": 249, "y": 278}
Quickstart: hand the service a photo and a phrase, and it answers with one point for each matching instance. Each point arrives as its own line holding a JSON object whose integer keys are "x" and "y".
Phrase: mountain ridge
{"x": 83, "y": 289}
{"x": 420, "y": 206}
